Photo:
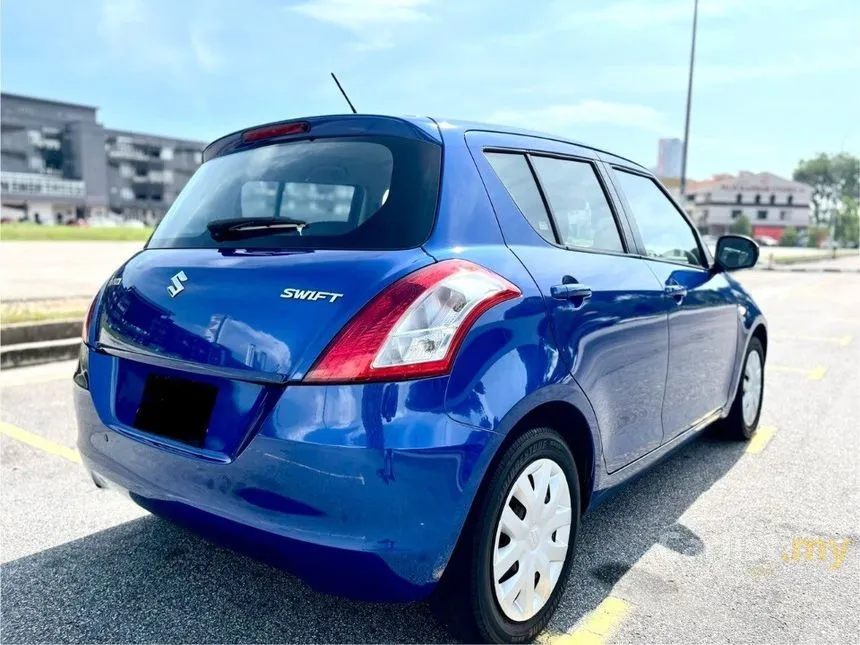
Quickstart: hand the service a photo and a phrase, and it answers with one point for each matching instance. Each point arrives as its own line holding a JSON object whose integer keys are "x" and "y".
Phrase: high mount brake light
{"x": 414, "y": 327}
{"x": 279, "y": 130}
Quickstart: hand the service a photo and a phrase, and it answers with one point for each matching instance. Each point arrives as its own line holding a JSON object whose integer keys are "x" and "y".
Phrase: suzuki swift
{"x": 403, "y": 356}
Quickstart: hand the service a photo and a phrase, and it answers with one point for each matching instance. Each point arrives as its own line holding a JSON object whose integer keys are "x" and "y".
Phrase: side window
{"x": 579, "y": 206}
{"x": 513, "y": 170}
{"x": 664, "y": 230}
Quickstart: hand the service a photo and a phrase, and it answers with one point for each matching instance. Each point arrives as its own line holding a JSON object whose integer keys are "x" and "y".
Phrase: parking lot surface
{"x": 722, "y": 542}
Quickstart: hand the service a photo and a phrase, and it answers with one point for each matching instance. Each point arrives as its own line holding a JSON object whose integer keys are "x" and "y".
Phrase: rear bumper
{"x": 369, "y": 507}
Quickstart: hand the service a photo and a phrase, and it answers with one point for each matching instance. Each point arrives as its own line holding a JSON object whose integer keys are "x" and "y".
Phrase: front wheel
{"x": 742, "y": 421}
{"x": 506, "y": 578}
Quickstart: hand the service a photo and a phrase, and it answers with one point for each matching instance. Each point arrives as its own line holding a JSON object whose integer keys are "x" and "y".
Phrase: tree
{"x": 832, "y": 178}
{"x": 847, "y": 225}
{"x": 741, "y": 226}
{"x": 789, "y": 237}
{"x": 815, "y": 235}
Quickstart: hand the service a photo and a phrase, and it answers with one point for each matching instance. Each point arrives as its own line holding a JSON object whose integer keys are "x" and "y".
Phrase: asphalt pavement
{"x": 722, "y": 542}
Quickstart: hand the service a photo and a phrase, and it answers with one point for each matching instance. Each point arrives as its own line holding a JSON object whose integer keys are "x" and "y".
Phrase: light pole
{"x": 689, "y": 102}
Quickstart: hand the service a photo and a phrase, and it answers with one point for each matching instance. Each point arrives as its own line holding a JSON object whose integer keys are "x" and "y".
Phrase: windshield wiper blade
{"x": 237, "y": 228}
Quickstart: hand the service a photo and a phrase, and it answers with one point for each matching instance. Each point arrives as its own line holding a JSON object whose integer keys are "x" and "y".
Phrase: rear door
{"x": 607, "y": 309}
{"x": 703, "y": 316}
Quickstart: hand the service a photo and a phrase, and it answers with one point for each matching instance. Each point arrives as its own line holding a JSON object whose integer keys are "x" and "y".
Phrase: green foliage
{"x": 816, "y": 235}
{"x": 847, "y": 223}
{"x": 73, "y": 233}
{"x": 833, "y": 178}
{"x": 741, "y": 226}
{"x": 789, "y": 237}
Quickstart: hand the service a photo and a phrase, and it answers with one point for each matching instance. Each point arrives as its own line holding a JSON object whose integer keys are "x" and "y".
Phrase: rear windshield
{"x": 354, "y": 193}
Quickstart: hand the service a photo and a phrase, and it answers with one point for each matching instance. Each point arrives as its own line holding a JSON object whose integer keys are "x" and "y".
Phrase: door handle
{"x": 570, "y": 291}
{"x": 675, "y": 290}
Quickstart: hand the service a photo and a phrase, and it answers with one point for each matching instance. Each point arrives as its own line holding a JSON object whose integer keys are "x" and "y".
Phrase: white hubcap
{"x": 752, "y": 388}
{"x": 531, "y": 539}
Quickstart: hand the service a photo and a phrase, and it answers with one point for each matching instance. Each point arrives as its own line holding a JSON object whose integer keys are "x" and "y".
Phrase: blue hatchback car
{"x": 403, "y": 356}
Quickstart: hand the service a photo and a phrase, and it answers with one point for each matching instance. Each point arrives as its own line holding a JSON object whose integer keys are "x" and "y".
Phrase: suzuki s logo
{"x": 176, "y": 281}
{"x": 310, "y": 294}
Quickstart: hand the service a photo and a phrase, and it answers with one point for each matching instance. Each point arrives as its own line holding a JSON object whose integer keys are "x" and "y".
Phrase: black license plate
{"x": 176, "y": 408}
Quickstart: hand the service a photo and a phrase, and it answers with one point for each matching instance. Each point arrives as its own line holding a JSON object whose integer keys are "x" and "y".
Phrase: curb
{"x": 22, "y": 354}
{"x": 33, "y": 332}
{"x": 791, "y": 269}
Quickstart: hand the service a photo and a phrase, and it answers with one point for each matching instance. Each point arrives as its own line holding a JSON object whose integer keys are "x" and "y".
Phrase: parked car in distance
{"x": 401, "y": 357}
{"x": 766, "y": 240}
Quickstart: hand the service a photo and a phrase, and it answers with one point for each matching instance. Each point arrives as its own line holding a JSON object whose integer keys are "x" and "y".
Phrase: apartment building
{"x": 58, "y": 164}
{"x": 771, "y": 203}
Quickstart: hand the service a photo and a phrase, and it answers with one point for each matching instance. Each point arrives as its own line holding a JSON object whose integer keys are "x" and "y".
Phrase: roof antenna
{"x": 337, "y": 82}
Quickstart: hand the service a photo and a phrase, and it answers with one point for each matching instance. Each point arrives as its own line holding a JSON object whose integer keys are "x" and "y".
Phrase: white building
{"x": 669, "y": 154}
{"x": 770, "y": 203}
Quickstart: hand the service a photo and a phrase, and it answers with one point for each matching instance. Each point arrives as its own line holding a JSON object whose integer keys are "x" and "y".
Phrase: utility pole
{"x": 689, "y": 102}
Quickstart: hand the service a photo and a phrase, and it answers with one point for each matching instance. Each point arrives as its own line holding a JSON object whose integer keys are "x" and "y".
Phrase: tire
{"x": 467, "y": 599}
{"x": 737, "y": 425}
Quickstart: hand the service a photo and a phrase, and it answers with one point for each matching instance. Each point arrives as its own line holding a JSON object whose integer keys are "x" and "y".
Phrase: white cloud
{"x": 647, "y": 13}
{"x": 144, "y": 40}
{"x": 372, "y": 21}
{"x": 207, "y": 57}
{"x": 586, "y": 112}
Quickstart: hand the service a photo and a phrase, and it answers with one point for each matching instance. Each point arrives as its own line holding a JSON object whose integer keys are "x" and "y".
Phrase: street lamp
{"x": 683, "y": 186}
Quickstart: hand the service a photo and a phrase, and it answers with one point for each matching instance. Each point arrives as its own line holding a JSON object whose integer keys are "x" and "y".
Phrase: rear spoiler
{"x": 340, "y": 125}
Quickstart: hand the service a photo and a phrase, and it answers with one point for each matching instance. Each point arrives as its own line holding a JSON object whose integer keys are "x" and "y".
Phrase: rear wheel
{"x": 742, "y": 421}
{"x": 507, "y": 576}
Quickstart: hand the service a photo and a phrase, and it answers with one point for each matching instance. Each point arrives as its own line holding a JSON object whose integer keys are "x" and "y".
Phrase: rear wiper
{"x": 238, "y": 228}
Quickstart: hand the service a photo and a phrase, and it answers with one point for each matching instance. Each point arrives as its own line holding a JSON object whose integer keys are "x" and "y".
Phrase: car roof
{"x": 424, "y": 124}
{"x": 465, "y": 126}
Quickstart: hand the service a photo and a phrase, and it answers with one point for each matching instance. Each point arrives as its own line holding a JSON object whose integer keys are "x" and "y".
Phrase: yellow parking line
{"x": 760, "y": 439}
{"x": 595, "y": 629}
{"x": 815, "y": 374}
{"x": 40, "y": 443}
{"x": 844, "y": 341}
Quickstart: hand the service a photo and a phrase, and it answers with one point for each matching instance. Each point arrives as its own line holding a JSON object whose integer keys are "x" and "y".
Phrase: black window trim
{"x": 641, "y": 251}
{"x": 528, "y": 153}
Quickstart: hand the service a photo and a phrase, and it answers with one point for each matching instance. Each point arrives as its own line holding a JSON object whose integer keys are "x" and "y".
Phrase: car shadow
{"x": 150, "y": 581}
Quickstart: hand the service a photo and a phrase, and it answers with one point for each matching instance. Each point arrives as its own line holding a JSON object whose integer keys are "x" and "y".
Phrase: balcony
{"x": 38, "y": 185}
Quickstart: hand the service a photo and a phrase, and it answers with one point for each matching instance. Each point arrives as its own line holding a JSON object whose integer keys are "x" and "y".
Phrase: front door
{"x": 607, "y": 308}
{"x": 703, "y": 315}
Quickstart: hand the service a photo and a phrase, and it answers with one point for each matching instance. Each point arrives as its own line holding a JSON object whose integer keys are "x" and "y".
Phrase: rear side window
{"x": 514, "y": 172}
{"x": 579, "y": 205}
{"x": 372, "y": 192}
{"x": 666, "y": 233}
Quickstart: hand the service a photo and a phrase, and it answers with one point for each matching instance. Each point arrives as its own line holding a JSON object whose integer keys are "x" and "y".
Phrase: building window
{"x": 737, "y": 213}
{"x": 760, "y": 215}
{"x": 738, "y": 198}
{"x": 783, "y": 215}
{"x": 773, "y": 199}
{"x": 790, "y": 200}
{"x": 758, "y": 199}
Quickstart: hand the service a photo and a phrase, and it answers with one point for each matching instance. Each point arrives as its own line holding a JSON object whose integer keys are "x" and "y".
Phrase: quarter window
{"x": 513, "y": 170}
{"x": 579, "y": 206}
{"x": 665, "y": 232}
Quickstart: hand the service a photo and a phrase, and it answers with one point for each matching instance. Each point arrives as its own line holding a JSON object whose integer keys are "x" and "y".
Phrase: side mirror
{"x": 736, "y": 252}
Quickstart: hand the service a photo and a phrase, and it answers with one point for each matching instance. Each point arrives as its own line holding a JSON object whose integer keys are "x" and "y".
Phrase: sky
{"x": 775, "y": 81}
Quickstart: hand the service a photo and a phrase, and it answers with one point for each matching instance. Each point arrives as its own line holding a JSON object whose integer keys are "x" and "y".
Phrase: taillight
{"x": 85, "y": 329}
{"x": 415, "y": 326}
